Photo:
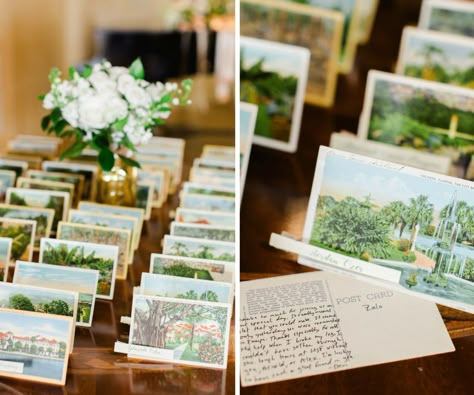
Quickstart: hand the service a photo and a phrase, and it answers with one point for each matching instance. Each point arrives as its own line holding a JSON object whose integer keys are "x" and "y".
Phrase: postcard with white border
{"x": 185, "y": 288}
{"x": 101, "y": 257}
{"x": 201, "y": 231}
{"x": 50, "y": 332}
{"x": 5, "y": 251}
{"x": 199, "y": 248}
{"x": 31, "y": 183}
{"x": 23, "y": 232}
{"x": 204, "y": 189}
{"x": 224, "y": 175}
{"x": 100, "y": 235}
{"x": 248, "y": 117}
{"x": 448, "y": 16}
{"x": 218, "y": 164}
{"x": 437, "y": 56}
{"x": 393, "y": 217}
{"x": 190, "y": 332}
{"x": 18, "y": 166}
{"x": 218, "y": 152}
{"x": 207, "y": 202}
{"x": 161, "y": 180}
{"x": 198, "y": 268}
{"x": 368, "y": 11}
{"x": 317, "y": 29}
{"x": 324, "y": 322}
{"x": 7, "y": 180}
{"x": 145, "y": 193}
{"x": 192, "y": 216}
{"x": 83, "y": 281}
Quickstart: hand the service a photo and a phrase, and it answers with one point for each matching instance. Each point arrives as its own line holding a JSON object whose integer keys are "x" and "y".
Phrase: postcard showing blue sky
{"x": 199, "y": 248}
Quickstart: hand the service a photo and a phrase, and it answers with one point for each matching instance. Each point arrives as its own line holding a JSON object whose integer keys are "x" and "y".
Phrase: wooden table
{"x": 275, "y": 200}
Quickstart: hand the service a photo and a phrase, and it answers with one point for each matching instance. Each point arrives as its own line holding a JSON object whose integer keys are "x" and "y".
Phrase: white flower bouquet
{"x": 109, "y": 109}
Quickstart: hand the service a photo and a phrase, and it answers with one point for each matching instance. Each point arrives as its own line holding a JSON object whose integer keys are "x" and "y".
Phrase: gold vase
{"x": 119, "y": 185}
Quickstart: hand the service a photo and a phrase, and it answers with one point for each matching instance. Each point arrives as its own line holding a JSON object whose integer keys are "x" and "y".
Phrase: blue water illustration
{"x": 36, "y": 366}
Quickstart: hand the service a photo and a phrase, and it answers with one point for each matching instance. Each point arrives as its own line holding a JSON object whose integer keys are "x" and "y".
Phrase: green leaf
{"x": 127, "y": 143}
{"x": 158, "y": 121}
{"x": 60, "y": 126}
{"x": 120, "y": 124}
{"x": 41, "y": 97}
{"x": 106, "y": 159}
{"x": 74, "y": 150}
{"x": 45, "y": 122}
{"x": 136, "y": 69}
{"x": 165, "y": 99}
{"x": 53, "y": 74}
{"x": 55, "y": 115}
{"x": 71, "y": 71}
{"x": 130, "y": 162}
{"x": 87, "y": 71}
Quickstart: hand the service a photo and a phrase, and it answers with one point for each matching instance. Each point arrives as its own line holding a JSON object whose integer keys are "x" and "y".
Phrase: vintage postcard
{"x": 100, "y": 235}
{"x": 89, "y": 171}
{"x": 452, "y": 16}
{"x": 7, "y": 180}
{"x": 217, "y": 164}
{"x": 185, "y": 288}
{"x": 101, "y": 257}
{"x": 223, "y": 175}
{"x": 209, "y": 203}
{"x": 367, "y": 11}
{"x": 43, "y": 217}
{"x": 284, "y": 67}
{"x": 83, "y": 281}
{"x": 108, "y": 220}
{"x": 392, "y": 153}
{"x": 437, "y": 56}
{"x": 58, "y": 201}
{"x": 320, "y": 30}
{"x": 212, "y": 180}
{"x": 35, "y": 346}
{"x": 200, "y": 231}
{"x": 197, "y": 268}
{"x": 18, "y": 166}
{"x": 22, "y": 232}
{"x": 192, "y": 216}
{"x": 31, "y": 183}
{"x": 161, "y": 181}
{"x": 425, "y": 115}
{"x": 37, "y": 147}
{"x": 145, "y": 194}
{"x": 412, "y": 222}
{"x": 76, "y": 179}
{"x": 34, "y": 162}
{"x": 203, "y": 189}
{"x": 5, "y": 251}
{"x": 172, "y": 164}
{"x": 218, "y": 152}
{"x": 323, "y": 323}
{"x": 199, "y": 248}
{"x": 248, "y": 118}
{"x": 188, "y": 332}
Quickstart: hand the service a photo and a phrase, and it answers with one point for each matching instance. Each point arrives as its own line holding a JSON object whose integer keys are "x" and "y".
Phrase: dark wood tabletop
{"x": 275, "y": 199}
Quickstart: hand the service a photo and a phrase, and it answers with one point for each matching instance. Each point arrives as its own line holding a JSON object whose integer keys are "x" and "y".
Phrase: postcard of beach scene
{"x": 7, "y": 180}
{"x": 160, "y": 178}
{"x": 424, "y": 115}
{"x": 201, "y": 231}
{"x": 207, "y": 202}
{"x": 204, "y": 189}
{"x": 437, "y": 56}
{"x": 189, "y": 332}
{"x": 58, "y": 201}
{"x": 198, "y": 268}
{"x": 199, "y": 248}
{"x": 22, "y": 232}
{"x": 193, "y": 216}
{"x": 317, "y": 29}
{"x": 101, "y": 257}
{"x": 18, "y": 166}
{"x": 35, "y": 346}
{"x": 5, "y": 251}
{"x": 100, "y": 235}
{"x": 42, "y": 300}
{"x": 83, "y": 281}
{"x": 145, "y": 193}
{"x": 185, "y": 288}
{"x": 452, "y": 16}
{"x": 43, "y": 216}
{"x": 414, "y": 223}
{"x": 280, "y": 109}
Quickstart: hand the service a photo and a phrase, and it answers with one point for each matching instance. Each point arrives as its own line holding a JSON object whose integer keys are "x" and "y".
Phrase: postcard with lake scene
{"x": 42, "y": 300}
{"x": 185, "y": 288}
{"x": 100, "y": 235}
{"x": 284, "y": 68}
{"x": 181, "y": 331}
{"x": 18, "y": 166}
{"x": 424, "y": 115}
{"x": 199, "y": 248}
{"x": 319, "y": 30}
{"x": 83, "y": 281}
{"x": 43, "y": 217}
{"x": 58, "y": 201}
{"x": 207, "y": 202}
{"x": 193, "y": 216}
{"x": 448, "y": 16}
{"x": 101, "y": 257}
{"x": 437, "y": 56}
{"x": 413, "y": 222}
{"x": 198, "y": 268}
{"x": 22, "y": 232}
{"x": 35, "y": 346}
{"x": 7, "y": 180}
{"x": 200, "y": 231}
{"x": 203, "y": 189}
{"x": 5, "y": 251}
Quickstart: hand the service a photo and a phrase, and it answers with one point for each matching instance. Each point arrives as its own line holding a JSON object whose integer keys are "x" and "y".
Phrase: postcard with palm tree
{"x": 417, "y": 223}
{"x": 199, "y": 248}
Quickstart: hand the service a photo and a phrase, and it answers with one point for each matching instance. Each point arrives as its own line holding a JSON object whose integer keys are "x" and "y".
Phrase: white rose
{"x": 115, "y": 108}
{"x": 116, "y": 71}
{"x": 102, "y": 82}
{"x": 137, "y": 97}
{"x": 125, "y": 82}
{"x": 155, "y": 91}
{"x": 48, "y": 102}
{"x": 93, "y": 112}
{"x": 71, "y": 113}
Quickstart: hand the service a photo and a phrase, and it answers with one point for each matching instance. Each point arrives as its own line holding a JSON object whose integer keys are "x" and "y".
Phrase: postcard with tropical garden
{"x": 199, "y": 248}
{"x": 417, "y": 225}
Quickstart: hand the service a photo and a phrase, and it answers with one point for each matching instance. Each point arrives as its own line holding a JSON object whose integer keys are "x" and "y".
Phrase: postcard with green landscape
{"x": 199, "y": 248}
{"x": 5, "y": 250}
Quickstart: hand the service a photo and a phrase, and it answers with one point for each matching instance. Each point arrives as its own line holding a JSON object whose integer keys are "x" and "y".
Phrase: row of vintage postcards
{"x": 83, "y": 247}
